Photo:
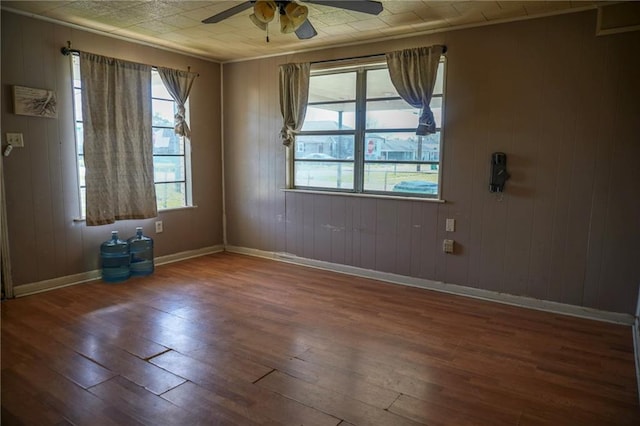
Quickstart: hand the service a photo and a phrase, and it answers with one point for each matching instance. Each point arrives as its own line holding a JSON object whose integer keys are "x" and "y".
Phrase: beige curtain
{"x": 178, "y": 84}
{"x": 118, "y": 149}
{"x": 294, "y": 92}
{"x": 413, "y": 73}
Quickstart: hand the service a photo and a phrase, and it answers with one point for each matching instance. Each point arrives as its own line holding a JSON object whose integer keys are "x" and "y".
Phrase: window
{"x": 359, "y": 136}
{"x": 171, "y": 161}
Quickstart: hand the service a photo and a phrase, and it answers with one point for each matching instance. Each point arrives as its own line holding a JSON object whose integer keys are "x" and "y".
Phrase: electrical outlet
{"x": 159, "y": 228}
{"x": 451, "y": 225}
{"x": 15, "y": 140}
{"x": 447, "y": 246}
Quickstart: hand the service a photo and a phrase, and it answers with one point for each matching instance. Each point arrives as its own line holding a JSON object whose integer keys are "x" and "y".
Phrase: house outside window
{"x": 171, "y": 153}
{"x": 359, "y": 136}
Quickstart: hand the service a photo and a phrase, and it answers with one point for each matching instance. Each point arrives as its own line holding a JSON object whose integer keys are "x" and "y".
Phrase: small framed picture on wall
{"x": 34, "y": 102}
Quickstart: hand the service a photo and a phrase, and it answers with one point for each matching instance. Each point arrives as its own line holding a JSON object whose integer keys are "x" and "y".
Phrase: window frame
{"x": 361, "y": 68}
{"x": 186, "y": 145}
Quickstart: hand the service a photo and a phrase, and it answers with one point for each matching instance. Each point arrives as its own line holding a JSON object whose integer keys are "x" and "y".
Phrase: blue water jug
{"x": 114, "y": 255}
{"x": 141, "y": 250}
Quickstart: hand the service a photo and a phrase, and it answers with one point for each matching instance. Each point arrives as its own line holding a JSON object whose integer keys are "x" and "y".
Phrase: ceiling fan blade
{"x": 306, "y": 31}
{"x": 228, "y": 13}
{"x": 365, "y": 6}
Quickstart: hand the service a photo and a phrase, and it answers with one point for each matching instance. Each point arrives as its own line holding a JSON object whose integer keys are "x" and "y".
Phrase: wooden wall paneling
{"x": 386, "y": 235}
{"x": 43, "y": 195}
{"x": 404, "y": 231}
{"x": 240, "y": 151}
{"x": 233, "y": 130}
{"x": 587, "y": 107}
{"x": 526, "y": 121}
{"x": 298, "y": 226}
{"x": 321, "y": 227}
{"x": 622, "y": 226}
{"x": 562, "y": 125}
{"x": 354, "y": 208}
{"x": 465, "y": 130}
{"x": 368, "y": 221}
{"x": 60, "y": 82}
{"x": 441, "y": 258}
{"x": 249, "y": 151}
{"x": 458, "y": 159}
{"x": 18, "y": 172}
{"x": 546, "y": 162}
{"x": 265, "y": 145}
{"x": 428, "y": 239}
{"x": 289, "y": 222}
{"x": 339, "y": 232}
{"x": 308, "y": 225}
{"x": 29, "y": 163}
{"x": 608, "y": 90}
{"x": 415, "y": 239}
{"x": 498, "y": 137}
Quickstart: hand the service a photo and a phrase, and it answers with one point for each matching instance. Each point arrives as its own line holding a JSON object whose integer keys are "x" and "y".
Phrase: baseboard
{"x": 46, "y": 285}
{"x": 520, "y": 301}
{"x": 184, "y": 255}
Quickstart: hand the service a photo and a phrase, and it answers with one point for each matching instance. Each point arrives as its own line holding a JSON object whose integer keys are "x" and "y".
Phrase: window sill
{"x": 360, "y": 195}
{"x": 82, "y": 219}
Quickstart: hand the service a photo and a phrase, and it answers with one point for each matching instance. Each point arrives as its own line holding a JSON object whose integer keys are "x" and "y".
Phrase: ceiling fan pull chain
{"x": 267, "y": 33}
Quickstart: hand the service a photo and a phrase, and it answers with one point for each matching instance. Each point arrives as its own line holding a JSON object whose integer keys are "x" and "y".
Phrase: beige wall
{"x": 41, "y": 179}
{"x": 563, "y": 105}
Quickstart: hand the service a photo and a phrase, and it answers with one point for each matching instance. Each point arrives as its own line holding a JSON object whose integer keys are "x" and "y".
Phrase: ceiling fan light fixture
{"x": 257, "y": 22}
{"x": 264, "y": 10}
{"x": 294, "y": 15}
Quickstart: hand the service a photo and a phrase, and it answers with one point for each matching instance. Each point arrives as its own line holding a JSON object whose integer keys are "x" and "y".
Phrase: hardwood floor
{"x": 230, "y": 339}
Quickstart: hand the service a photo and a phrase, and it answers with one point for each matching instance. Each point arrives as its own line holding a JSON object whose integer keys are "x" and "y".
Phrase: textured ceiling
{"x": 177, "y": 24}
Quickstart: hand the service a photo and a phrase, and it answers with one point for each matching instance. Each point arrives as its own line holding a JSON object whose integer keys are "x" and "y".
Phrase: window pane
{"x": 165, "y": 141}
{"x": 439, "y": 86}
{"x": 397, "y": 114}
{"x": 77, "y": 104}
{"x": 81, "y": 171}
{"x": 170, "y": 195}
{"x": 324, "y": 147}
{"x": 162, "y": 113}
{"x": 324, "y": 174}
{"x": 416, "y": 179}
{"x": 430, "y": 148}
{"x": 380, "y": 146}
{"x": 80, "y": 138}
{"x": 330, "y": 117}
{"x": 391, "y": 114}
{"x": 75, "y": 60}
{"x": 334, "y": 87}
{"x": 168, "y": 168}
{"x": 436, "y": 109}
{"x": 157, "y": 87}
{"x": 83, "y": 201}
{"x": 379, "y": 84}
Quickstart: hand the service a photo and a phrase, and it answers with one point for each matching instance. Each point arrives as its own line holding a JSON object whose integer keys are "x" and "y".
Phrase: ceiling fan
{"x": 292, "y": 15}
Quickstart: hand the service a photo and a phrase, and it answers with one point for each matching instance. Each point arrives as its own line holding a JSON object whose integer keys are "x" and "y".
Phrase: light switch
{"x": 447, "y": 246}
{"x": 15, "y": 140}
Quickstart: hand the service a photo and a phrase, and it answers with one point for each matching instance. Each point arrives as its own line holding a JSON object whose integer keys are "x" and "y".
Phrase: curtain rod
{"x": 377, "y": 55}
{"x": 66, "y": 51}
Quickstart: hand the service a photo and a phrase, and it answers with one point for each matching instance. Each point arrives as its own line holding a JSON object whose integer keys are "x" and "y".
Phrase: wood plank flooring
{"x": 228, "y": 339}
